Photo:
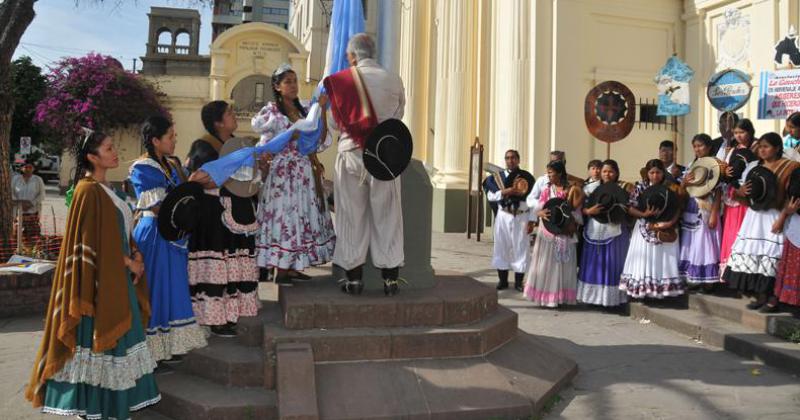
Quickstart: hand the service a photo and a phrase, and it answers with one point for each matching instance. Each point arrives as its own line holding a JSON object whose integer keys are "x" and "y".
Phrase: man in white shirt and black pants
{"x": 513, "y": 224}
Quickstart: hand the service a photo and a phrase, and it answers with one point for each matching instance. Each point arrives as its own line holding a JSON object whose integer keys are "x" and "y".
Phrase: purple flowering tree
{"x": 95, "y": 91}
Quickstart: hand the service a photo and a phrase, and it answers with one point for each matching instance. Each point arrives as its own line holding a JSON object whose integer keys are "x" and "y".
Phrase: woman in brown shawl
{"x": 94, "y": 361}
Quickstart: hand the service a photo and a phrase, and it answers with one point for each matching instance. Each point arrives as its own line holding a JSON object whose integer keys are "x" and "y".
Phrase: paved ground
{"x": 628, "y": 369}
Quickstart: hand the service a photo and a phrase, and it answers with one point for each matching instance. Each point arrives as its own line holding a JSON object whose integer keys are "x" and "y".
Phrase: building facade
{"x": 515, "y": 74}
{"x": 229, "y": 13}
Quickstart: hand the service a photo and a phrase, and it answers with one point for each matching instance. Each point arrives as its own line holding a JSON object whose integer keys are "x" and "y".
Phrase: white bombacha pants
{"x": 511, "y": 242}
{"x": 368, "y": 215}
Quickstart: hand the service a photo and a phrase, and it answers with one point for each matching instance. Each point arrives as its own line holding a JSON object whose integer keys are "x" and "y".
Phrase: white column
{"x": 414, "y": 70}
{"x": 455, "y": 93}
{"x": 512, "y": 96}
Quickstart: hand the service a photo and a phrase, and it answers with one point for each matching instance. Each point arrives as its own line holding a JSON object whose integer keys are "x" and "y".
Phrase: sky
{"x": 112, "y": 27}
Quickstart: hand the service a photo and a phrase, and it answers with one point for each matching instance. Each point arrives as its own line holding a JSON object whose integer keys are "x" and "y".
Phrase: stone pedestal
{"x": 417, "y": 198}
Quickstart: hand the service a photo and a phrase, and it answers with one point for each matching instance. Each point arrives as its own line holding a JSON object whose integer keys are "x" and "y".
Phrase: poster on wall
{"x": 779, "y": 94}
{"x": 729, "y": 90}
{"x": 672, "y": 82}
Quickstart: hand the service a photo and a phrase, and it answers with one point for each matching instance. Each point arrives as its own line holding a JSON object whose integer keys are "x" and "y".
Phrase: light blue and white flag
{"x": 347, "y": 20}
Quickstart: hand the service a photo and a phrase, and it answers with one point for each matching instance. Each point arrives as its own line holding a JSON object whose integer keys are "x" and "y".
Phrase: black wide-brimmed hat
{"x": 560, "y": 216}
{"x": 738, "y": 162}
{"x": 706, "y": 172}
{"x": 180, "y": 211}
{"x": 662, "y": 199}
{"x": 387, "y": 151}
{"x": 522, "y": 181}
{"x": 763, "y": 187}
{"x": 793, "y": 191}
{"x": 613, "y": 198}
{"x": 246, "y": 182}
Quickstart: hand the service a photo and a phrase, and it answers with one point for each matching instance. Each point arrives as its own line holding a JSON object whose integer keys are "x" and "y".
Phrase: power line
{"x": 57, "y": 48}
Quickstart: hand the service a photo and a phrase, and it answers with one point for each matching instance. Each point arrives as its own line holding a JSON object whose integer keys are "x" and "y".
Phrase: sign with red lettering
{"x": 779, "y": 94}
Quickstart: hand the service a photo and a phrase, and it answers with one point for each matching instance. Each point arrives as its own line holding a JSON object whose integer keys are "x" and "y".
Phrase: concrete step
{"x": 226, "y": 361}
{"x": 296, "y": 384}
{"x": 250, "y": 330}
{"x": 513, "y": 382}
{"x": 188, "y": 397}
{"x": 453, "y": 300}
{"x": 734, "y": 309}
{"x": 728, "y": 335}
{"x": 358, "y": 344}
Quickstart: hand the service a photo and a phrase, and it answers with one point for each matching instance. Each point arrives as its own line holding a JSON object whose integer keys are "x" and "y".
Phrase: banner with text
{"x": 779, "y": 94}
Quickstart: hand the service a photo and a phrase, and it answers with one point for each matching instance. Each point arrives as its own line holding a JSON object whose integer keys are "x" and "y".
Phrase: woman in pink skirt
{"x": 734, "y": 208}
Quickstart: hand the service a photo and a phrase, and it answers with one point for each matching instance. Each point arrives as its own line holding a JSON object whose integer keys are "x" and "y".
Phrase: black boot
{"x": 352, "y": 284}
{"x": 390, "y": 275}
{"x": 503, "y": 275}
{"x": 518, "y": 281}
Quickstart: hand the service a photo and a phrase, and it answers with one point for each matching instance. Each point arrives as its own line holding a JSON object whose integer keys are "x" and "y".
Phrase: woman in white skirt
{"x": 651, "y": 266}
{"x": 759, "y": 245}
{"x": 295, "y": 226}
{"x": 553, "y": 274}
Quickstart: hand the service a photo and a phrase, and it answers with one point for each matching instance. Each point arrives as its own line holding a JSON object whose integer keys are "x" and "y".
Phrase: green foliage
{"x": 28, "y": 87}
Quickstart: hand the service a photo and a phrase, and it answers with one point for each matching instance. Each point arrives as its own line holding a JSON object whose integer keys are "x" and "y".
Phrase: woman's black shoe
{"x": 502, "y": 285}
{"x": 176, "y": 358}
{"x": 296, "y": 275}
{"x": 223, "y": 331}
{"x": 755, "y": 305}
{"x": 769, "y": 309}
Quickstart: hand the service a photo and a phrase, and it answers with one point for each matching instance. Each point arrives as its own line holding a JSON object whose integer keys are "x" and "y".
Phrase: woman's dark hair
{"x": 154, "y": 127}
{"x": 794, "y": 118}
{"x": 705, "y": 140}
{"x": 745, "y": 125}
{"x": 85, "y": 145}
{"x": 774, "y": 140}
{"x": 655, "y": 163}
{"x": 614, "y": 165}
{"x": 276, "y": 80}
{"x": 211, "y": 113}
{"x": 558, "y": 167}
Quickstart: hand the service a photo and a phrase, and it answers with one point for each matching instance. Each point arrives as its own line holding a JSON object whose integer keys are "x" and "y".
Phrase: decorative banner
{"x": 672, "y": 82}
{"x": 788, "y": 47}
{"x": 779, "y": 94}
{"x": 733, "y": 39}
{"x": 610, "y": 111}
{"x": 729, "y": 90}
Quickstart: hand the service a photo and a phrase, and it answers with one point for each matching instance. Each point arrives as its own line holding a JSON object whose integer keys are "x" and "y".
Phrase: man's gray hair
{"x": 362, "y": 46}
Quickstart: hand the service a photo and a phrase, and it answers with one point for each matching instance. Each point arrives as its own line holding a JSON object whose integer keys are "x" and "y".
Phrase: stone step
{"x": 250, "y": 330}
{"x": 513, "y": 382}
{"x": 188, "y": 397}
{"x": 733, "y": 309}
{"x": 226, "y": 361}
{"x": 356, "y": 344}
{"x": 453, "y": 300}
{"x": 148, "y": 414}
{"x": 728, "y": 335}
{"x": 296, "y": 384}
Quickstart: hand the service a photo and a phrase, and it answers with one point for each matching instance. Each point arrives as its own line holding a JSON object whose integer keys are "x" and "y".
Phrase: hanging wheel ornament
{"x": 610, "y": 111}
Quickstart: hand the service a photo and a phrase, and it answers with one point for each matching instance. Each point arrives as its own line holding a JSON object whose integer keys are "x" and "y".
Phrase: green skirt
{"x": 106, "y": 385}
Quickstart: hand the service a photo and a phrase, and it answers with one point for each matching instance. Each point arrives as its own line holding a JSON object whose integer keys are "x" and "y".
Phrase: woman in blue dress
{"x": 172, "y": 330}
{"x": 94, "y": 361}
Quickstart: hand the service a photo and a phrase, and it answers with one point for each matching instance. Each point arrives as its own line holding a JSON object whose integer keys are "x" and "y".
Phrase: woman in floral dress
{"x": 295, "y": 225}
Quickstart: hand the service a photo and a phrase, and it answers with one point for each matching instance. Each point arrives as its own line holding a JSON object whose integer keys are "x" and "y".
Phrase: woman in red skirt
{"x": 787, "y": 280}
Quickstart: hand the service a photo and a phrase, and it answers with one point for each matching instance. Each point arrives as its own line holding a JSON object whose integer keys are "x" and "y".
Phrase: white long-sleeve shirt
{"x": 31, "y": 190}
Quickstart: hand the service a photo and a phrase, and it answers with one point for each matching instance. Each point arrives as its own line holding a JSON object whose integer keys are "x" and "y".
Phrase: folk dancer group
{"x": 136, "y": 287}
{"x": 728, "y": 220}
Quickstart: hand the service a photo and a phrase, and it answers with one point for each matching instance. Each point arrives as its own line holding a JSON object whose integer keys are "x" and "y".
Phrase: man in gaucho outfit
{"x": 368, "y": 210}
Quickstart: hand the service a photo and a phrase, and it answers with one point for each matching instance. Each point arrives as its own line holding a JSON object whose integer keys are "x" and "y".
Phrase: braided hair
{"x": 155, "y": 127}
{"x": 89, "y": 144}
{"x": 276, "y": 80}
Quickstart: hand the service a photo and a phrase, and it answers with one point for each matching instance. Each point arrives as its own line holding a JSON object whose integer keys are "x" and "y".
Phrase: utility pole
{"x": 134, "y": 65}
